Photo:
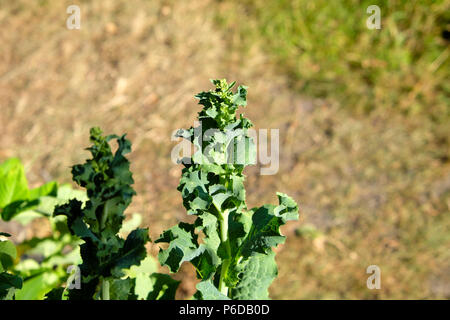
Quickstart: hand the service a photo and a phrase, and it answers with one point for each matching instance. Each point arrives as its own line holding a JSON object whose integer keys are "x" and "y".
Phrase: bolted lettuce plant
{"x": 229, "y": 245}
{"x": 107, "y": 257}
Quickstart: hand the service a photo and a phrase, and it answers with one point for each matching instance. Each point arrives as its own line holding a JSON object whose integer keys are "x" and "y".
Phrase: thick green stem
{"x": 226, "y": 263}
{"x": 222, "y": 286}
{"x": 104, "y": 216}
{"x": 105, "y": 289}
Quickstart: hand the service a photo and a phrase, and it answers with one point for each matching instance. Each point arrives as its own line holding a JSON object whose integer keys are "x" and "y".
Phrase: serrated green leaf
{"x": 255, "y": 277}
{"x": 206, "y": 262}
{"x": 133, "y": 251}
{"x": 207, "y": 291}
{"x": 46, "y": 206}
{"x": 122, "y": 289}
{"x": 182, "y": 246}
{"x": 264, "y": 233}
{"x": 240, "y": 98}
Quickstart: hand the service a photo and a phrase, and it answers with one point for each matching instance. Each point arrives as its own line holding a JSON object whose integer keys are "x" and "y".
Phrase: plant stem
{"x": 105, "y": 289}
{"x": 226, "y": 263}
{"x": 104, "y": 216}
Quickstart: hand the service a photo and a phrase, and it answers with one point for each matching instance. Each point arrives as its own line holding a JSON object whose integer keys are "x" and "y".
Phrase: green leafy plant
{"x": 15, "y": 196}
{"x": 41, "y": 261}
{"x": 9, "y": 282}
{"x": 110, "y": 264}
{"x": 229, "y": 245}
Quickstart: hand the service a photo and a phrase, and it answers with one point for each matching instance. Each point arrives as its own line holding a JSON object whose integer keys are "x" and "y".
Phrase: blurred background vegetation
{"x": 363, "y": 118}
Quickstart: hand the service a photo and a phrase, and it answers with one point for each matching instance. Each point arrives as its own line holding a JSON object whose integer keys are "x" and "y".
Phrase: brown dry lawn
{"x": 372, "y": 189}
